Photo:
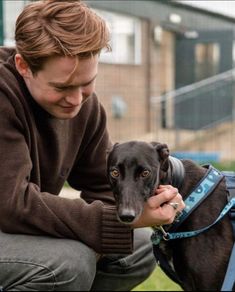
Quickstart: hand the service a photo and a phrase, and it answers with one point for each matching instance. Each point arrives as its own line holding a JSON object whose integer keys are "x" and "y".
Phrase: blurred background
{"x": 170, "y": 76}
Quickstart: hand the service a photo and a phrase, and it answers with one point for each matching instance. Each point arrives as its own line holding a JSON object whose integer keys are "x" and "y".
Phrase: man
{"x": 53, "y": 129}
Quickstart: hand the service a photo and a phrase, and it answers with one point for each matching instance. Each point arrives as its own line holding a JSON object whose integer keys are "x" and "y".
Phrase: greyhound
{"x": 135, "y": 169}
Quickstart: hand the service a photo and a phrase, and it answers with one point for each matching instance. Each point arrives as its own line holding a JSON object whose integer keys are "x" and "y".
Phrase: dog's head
{"x": 133, "y": 170}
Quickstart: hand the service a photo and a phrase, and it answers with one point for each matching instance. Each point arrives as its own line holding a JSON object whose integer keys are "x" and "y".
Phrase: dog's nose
{"x": 127, "y": 215}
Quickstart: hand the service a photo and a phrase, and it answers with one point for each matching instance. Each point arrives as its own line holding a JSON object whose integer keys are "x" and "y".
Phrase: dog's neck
{"x": 174, "y": 174}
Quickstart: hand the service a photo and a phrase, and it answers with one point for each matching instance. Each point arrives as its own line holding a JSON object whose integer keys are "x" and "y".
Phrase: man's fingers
{"x": 169, "y": 202}
{"x": 163, "y": 195}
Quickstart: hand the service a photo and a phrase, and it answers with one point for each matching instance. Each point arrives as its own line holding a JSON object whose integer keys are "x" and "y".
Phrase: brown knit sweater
{"x": 38, "y": 153}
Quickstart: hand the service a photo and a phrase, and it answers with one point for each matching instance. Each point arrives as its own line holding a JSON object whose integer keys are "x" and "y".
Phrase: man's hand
{"x": 158, "y": 209}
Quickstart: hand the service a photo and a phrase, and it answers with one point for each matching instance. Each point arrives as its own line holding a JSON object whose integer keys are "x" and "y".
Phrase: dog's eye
{"x": 114, "y": 173}
{"x": 145, "y": 173}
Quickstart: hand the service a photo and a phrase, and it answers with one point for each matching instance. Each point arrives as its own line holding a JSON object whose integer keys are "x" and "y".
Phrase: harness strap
{"x": 164, "y": 265}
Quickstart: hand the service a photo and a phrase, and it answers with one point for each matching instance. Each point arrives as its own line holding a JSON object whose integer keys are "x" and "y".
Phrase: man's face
{"x": 58, "y": 91}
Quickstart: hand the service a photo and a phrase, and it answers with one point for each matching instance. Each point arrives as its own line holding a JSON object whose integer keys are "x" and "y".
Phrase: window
{"x": 207, "y": 59}
{"x": 125, "y": 39}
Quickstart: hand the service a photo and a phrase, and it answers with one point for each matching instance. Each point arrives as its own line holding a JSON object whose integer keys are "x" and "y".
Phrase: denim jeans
{"x": 40, "y": 263}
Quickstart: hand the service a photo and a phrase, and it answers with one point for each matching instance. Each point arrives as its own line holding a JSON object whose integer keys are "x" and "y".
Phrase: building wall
{"x": 162, "y": 77}
{"x": 131, "y": 83}
{"x": 137, "y": 84}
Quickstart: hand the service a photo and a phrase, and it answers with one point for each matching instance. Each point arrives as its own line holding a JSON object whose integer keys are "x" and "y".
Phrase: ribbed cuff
{"x": 117, "y": 238}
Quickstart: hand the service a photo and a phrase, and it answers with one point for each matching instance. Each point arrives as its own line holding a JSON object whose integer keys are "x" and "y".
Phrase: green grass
{"x": 158, "y": 281}
{"x": 225, "y": 166}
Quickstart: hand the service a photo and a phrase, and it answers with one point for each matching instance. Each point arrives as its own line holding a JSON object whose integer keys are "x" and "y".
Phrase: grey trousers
{"x": 38, "y": 263}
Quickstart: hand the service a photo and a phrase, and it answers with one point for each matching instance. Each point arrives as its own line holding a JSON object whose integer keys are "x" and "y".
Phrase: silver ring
{"x": 174, "y": 205}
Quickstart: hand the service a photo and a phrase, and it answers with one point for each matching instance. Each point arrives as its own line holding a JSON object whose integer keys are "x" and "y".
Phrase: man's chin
{"x": 65, "y": 115}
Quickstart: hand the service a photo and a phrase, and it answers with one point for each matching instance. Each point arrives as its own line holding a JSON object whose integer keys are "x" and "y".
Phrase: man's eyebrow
{"x": 61, "y": 84}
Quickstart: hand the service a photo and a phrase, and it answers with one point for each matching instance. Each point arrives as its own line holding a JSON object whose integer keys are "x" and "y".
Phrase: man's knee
{"x": 77, "y": 271}
{"x": 24, "y": 275}
{"x": 55, "y": 265}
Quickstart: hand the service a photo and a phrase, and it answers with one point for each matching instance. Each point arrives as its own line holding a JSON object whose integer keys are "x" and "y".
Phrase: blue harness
{"x": 204, "y": 188}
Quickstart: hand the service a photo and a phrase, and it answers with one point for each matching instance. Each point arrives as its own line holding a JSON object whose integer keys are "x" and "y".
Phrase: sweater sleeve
{"x": 25, "y": 208}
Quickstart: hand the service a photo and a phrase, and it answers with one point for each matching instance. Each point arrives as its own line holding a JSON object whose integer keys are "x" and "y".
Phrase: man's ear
{"x": 22, "y": 66}
{"x": 164, "y": 153}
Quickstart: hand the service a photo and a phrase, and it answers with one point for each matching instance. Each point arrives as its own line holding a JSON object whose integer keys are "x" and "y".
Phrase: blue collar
{"x": 203, "y": 189}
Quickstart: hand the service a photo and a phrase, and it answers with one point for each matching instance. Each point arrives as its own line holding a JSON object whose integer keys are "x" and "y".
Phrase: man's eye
{"x": 114, "y": 173}
{"x": 60, "y": 89}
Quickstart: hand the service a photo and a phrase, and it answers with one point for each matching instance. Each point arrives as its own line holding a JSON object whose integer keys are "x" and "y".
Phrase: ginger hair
{"x": 59, "y": 28}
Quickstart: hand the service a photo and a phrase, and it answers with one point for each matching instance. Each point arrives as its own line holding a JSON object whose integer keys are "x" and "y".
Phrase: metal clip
{"x": 165, "y": 234}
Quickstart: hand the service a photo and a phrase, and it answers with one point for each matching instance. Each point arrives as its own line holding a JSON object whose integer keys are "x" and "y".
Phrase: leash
{"x": 160, "y": 233}
{"x": 204, "y": 188}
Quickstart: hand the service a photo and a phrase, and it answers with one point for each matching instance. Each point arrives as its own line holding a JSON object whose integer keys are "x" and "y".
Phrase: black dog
{"x": 135, "y": 169}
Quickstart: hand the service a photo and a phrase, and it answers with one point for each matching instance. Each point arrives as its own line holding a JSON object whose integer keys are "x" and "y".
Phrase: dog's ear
{"x": 164, "y": 153}
{"x": 111, "y": 147}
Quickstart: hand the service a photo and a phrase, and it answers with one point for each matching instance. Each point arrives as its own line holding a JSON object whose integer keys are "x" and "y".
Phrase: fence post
{"x": 1, "y": 23}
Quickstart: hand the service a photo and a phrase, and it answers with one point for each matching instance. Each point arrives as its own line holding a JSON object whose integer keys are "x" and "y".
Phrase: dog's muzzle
{"x": 127, "y": 215}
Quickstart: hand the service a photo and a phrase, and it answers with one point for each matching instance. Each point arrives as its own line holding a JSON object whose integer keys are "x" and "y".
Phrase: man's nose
{"x": 74, "y": 97}
{"x": 78, "y": 95}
